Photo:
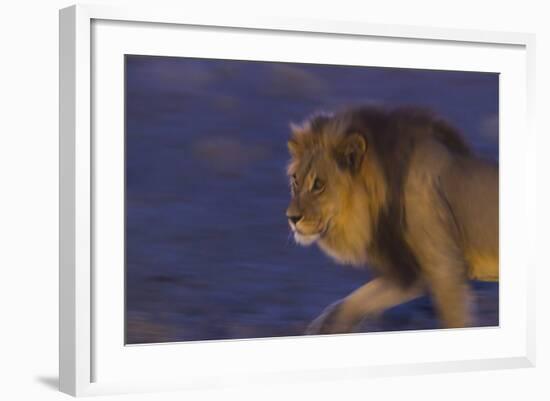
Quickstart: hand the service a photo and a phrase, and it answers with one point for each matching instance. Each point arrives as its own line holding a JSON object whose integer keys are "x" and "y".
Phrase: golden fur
{"x": 399, "y": 191}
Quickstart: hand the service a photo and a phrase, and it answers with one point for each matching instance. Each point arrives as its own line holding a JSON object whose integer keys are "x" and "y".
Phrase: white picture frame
{"x": 82, "y": 344}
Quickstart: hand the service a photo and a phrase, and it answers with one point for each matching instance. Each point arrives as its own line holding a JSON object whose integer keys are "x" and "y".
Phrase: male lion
{"x": 401, "y": 191}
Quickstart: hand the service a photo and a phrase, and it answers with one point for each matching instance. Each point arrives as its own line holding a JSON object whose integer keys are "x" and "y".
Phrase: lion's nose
{"x": 295, "y": 219}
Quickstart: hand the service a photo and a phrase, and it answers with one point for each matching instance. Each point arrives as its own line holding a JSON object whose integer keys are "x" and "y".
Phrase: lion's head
{"x": 329, "y": 193}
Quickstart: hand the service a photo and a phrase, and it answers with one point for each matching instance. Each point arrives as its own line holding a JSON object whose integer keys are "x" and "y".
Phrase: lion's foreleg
{"x": 367, "y": 301}
{"x": 444, "y": 272}
{"x": 434, "y": 237}
{"x": 452, "y": 296}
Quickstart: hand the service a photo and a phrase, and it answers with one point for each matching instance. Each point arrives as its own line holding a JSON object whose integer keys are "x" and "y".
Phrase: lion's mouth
{"x": 309, "y": 238}
{"x": 305, "y": 239}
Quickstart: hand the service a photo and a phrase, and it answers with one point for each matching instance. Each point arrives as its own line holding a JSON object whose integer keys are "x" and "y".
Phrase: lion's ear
{"x": 351, "y": 151}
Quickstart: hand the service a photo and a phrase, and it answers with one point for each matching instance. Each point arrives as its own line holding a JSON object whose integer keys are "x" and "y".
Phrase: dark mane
{"x": 318, "y": 121}
{"x": 392, "y": 135}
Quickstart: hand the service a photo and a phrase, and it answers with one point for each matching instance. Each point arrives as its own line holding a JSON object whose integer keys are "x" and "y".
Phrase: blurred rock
{"x": 294, "y": 82}
{"x": 225, "y": 154}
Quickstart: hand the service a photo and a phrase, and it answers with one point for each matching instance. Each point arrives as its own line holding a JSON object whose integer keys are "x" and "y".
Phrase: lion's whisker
{"x": 289, "y": 239}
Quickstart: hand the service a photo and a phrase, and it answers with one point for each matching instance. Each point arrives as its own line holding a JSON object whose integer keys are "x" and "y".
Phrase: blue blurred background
{"x": 208, "y": 252}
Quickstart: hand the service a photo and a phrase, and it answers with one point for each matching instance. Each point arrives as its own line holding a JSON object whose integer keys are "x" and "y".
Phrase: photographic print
{"x": 270, "y": 199}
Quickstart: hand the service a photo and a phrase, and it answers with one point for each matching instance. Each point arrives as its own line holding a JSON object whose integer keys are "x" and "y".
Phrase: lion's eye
{"x": 318, "y": 185}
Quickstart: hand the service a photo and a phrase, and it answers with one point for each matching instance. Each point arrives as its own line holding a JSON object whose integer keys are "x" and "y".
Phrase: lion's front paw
{"x": 331, "y": 321}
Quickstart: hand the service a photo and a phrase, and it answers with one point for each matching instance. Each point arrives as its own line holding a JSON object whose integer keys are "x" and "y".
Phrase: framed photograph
{"x": 269, "y": 200}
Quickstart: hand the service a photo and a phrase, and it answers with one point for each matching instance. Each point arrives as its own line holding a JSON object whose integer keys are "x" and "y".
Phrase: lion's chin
{"x": 305, "y": 240}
